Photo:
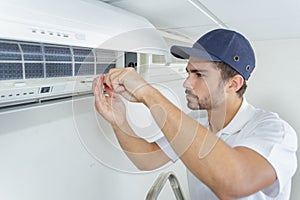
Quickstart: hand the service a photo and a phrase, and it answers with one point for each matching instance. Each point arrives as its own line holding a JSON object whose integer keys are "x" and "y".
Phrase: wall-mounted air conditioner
{"x": 51, "y": 49}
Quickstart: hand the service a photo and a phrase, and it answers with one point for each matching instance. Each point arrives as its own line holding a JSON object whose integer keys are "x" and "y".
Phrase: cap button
{"x": 248, "y": 67}
{"x": 236, "y": 58}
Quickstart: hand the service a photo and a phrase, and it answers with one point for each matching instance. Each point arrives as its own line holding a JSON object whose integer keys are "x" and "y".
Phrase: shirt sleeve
{"x": 276, "y": 141}
{"x": 167, "y": 149}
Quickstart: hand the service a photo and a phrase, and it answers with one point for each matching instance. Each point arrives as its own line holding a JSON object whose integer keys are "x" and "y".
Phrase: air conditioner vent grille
{"x": 29, "y": 60}
{"x": 34, "y": 70}
{"x": 11, "y": 71}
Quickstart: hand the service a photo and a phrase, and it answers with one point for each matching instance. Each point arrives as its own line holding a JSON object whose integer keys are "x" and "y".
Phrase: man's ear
{"x": 236, "y": 82}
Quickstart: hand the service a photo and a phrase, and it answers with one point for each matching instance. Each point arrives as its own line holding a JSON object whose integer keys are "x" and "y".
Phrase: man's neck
{"x": 221, "y": 116}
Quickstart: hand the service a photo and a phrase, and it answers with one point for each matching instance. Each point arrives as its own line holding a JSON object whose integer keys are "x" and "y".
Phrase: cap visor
{"x": 185, "y": 52}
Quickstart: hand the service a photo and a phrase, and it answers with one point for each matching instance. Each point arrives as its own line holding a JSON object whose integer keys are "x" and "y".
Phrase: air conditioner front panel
{"x": 76, "y": 22}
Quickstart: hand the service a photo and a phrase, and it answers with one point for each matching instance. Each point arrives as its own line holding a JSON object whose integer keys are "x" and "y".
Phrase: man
{"x": 236, "y": 151}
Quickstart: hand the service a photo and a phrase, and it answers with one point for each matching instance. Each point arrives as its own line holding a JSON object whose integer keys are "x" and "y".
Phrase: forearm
{"x": 226, "y": 170}
{"x": 144, "y": 155}
{"x": 180, "y": 130}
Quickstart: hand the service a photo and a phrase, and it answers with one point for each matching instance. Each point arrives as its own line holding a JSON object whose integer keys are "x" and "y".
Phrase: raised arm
{"x": 230, "y": 172}
{"x": 139, "y": 151}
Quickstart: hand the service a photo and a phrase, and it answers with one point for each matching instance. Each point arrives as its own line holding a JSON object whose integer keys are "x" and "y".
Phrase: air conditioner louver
{"x": 35, "y": 71}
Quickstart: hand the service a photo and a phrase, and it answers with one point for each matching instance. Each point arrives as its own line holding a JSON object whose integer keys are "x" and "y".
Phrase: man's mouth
{"x": 190, "y": 94}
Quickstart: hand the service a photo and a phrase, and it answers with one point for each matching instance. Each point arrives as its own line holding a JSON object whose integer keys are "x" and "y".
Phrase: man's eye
{"x": 199, "y": 75}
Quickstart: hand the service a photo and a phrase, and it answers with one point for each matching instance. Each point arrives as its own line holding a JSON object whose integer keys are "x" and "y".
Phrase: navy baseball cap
{"x": 221, "y": 45}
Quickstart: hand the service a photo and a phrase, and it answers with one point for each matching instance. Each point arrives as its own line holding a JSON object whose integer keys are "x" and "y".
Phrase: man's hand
{"x": 128, "y": 83}
{"x": 111, "y": 107}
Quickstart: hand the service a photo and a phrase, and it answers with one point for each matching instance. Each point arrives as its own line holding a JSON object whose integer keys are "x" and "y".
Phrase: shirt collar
{"x": 244, "y": 114}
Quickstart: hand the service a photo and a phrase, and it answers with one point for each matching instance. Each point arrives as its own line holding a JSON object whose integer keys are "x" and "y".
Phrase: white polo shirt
{"x": 261, "y": 131}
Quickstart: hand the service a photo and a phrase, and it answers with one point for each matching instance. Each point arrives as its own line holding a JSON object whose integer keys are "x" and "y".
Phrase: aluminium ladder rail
{"x": 160, "y": 182}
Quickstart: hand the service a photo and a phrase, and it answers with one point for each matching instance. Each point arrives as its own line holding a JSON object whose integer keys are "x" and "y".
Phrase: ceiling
{"x": 258, "y": 20}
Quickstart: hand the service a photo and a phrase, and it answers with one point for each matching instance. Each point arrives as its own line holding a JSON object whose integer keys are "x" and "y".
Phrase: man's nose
{"x": 187, "y": 83}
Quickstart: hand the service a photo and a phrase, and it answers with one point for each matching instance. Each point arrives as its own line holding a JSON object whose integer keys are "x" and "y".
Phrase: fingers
{"x": 98, "y": 90}
{"x": 95, "y": 82}
{"x": 127, "y": 82}
{"x": 110, "y": 76}
{"x": 115, "y": 79}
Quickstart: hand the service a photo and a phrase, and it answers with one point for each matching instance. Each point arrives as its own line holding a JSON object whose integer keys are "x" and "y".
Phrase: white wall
{"x": 43, "y": 158}
{"x": 275, "y": 85}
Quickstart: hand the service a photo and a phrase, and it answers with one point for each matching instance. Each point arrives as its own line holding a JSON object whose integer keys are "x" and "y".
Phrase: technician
{"x": 231, "y": 149}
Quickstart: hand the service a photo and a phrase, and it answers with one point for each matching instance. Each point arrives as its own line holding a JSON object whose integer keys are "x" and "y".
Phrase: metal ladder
{"x": 159, "y": 184}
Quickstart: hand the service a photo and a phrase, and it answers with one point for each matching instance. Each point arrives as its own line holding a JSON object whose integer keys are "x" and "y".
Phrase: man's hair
{"x": 228, "y": 72}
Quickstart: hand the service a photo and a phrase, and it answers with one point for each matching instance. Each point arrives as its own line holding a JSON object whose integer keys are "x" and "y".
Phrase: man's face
{"x": 204, "y": 85}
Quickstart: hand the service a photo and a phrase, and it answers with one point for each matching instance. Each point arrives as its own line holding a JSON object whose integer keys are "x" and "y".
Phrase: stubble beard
{"x": 209, "y": 102}
{"x": 206, "y": 103}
